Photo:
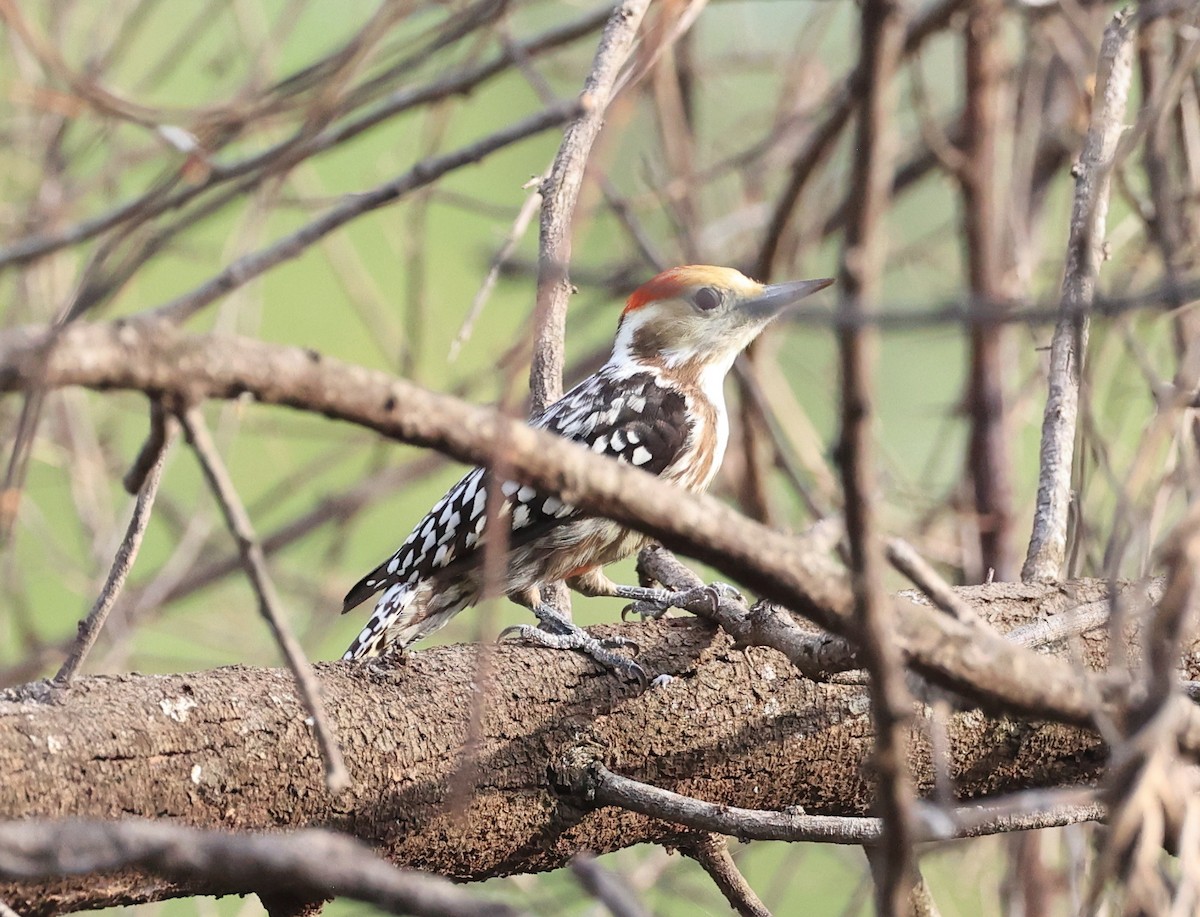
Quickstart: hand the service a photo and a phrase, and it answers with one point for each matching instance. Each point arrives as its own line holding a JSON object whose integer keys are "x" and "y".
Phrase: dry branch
{"x": 297, "y": 147}
{"x": 90, "y": 627}
{"x": 307, "y": 864}
{"x": 711, "y": 852}
{"x": 352, "y": 206}
{"x": 1048, "y": 543}
{"x": 269, "y": 606}
{"x": 560, "y": 193}
{"x": 988, "y": 455}
{"x": 860, "y": 274}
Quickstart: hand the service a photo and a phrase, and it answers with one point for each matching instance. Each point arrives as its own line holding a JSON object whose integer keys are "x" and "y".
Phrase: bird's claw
{"x": 727, "y": 592}
{"x": 653, "y": 603}
{"x": 645, "y": 609}
{"x": 516, "y": 630}
{"x": 578, "y": 639}
{"x": 618, "y": 642}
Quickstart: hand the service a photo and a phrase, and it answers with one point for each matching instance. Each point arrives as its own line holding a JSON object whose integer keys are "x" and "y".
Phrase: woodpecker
{"x": 657, "y": 404}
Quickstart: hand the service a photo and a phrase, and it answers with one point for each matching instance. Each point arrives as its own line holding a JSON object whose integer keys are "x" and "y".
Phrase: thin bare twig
{"x": 298, "y": 146}
{"x": 920, "y": 898}
{"x": 90, "y": 627}
{"x": 816, "y": 654}
{"x": 905, "y": 558}
{"x": 337, "y": 778}
{"x": 882, "y": 44}
{"x": 606, "y": 888}
{"x": 989, "y": 460}
{"x": 520, "y": 223}
{"x": 352, "y": 206}
{"x": 711, "y": 851}
{"x": 1048, "y": 542}
{"x": 840, "y": 106}
{"x": 560, "y": 194}
{"x": 591, "y": 780}
{"x": 148, "y": 456}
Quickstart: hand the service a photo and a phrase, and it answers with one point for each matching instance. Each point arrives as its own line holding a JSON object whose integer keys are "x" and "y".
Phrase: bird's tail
{"x": 392, "y": 605}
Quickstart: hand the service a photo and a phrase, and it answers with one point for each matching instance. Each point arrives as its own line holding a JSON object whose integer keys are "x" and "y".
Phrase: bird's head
{"x": 701, "y": 315}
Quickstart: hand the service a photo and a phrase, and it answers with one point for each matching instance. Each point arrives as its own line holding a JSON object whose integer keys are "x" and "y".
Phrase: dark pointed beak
{"x": 778, "y": 296}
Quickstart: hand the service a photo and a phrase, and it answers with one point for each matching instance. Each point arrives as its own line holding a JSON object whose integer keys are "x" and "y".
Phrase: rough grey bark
{"x": 229, "y": 748}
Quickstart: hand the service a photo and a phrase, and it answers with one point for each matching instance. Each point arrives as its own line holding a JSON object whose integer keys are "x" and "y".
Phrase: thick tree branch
{"x": 229, "y": 749}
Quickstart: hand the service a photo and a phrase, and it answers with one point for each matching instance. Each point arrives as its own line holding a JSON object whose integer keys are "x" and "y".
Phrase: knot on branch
{"x": 574, "y": 772}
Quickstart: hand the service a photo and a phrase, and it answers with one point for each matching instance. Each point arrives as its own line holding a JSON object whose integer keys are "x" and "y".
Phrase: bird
{"x": 657, "y": 404}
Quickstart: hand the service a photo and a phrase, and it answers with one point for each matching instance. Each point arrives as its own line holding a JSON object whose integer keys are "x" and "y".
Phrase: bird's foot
{"x": 573, "y": 637}
{"x": 653, "y": 603}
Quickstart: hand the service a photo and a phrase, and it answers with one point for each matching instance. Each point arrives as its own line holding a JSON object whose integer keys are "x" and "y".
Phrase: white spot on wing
{"x": 508, "y": 488}
{"x": 526, "y": 493}
{"x": 521, "y": 516}
{"x": 641, "y": 455}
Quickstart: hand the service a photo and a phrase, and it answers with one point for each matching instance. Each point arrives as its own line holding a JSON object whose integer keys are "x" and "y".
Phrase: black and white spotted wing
{"x": 634, "y": 419}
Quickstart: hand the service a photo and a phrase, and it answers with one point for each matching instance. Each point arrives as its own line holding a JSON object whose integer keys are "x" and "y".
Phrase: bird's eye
{"x": 707, "y": 298}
